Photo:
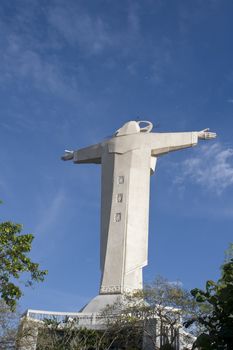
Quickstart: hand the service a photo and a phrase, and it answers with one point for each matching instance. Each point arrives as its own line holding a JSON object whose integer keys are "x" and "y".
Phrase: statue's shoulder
{"x": 127, "y": 143}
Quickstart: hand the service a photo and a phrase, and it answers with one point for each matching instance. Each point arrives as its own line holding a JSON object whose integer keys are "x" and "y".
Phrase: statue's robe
{"x": 127, "y": 162}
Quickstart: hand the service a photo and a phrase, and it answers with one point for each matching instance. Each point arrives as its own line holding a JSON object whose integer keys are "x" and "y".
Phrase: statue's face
{"x": 133, "y": 127}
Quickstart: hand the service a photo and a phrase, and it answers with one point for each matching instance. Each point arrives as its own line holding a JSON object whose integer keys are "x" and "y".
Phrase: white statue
{"x": 127, "y": 160}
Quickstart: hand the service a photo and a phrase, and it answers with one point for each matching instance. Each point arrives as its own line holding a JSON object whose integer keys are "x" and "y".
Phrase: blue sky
{"x": 71, "y": 73}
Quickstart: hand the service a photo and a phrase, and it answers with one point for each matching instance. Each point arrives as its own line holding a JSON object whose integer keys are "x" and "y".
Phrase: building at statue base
{"x": 154, "y": 336}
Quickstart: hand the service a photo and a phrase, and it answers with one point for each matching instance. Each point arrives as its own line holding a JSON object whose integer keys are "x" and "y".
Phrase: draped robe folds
{"x": 127, "y": 162}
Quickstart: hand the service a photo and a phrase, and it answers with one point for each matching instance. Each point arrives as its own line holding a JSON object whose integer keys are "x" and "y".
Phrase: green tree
{"x": 156, "y": 313}
{"x": 151, "y": 317}
{"x": 8, "y": 327}
{"x": 15, "y": 262}
{"x": 67, "y": 334}
{"x": 218, "y": 324}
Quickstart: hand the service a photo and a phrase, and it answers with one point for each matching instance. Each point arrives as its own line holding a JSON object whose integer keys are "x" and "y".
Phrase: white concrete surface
{"x": 128, "y": 159}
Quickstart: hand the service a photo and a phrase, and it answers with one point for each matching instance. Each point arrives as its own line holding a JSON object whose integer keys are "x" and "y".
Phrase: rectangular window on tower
{"x": 121, "y": 180}
{"x": 117, "y": 217}
{"x": 119, "y": 197}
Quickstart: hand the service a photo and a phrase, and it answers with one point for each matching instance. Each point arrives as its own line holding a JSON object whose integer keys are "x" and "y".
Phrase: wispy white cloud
{"x": 134, "y": 26}
{"x": 230, "y": 100}
{"x": 94, "y": 34}
{"x": 211, "y": 167}
{"x": 51, "y": 213}
{"x": 20, "y": 61}
{"x": 162, "y": 63}
{"x": 39, "y": 59}
{"x": 79, "y": 28}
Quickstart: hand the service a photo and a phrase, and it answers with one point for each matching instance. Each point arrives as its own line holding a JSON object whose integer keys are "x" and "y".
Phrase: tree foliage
{"x": 14, "y": 262}
{"x": 8, "y": 327}
{"x": 157, "y": 312}
{"x": 150, "y": 317}
{"x": 52, "y": 334}
{"x": 217, "y": 324}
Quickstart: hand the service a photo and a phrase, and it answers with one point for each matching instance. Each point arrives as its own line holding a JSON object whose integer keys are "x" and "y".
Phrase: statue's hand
{"x": 205, "y": 134}
{"x": 68, "y": 155}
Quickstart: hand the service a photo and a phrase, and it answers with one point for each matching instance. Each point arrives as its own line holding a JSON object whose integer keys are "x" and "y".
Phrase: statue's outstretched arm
{"x": 162, "y": 143}
{"x": 91, "y": 154}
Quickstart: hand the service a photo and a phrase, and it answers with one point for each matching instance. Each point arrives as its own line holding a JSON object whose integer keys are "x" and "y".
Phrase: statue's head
{"x": 134, "y": 127}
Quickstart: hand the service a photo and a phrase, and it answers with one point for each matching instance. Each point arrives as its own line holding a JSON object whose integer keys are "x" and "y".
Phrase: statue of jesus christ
{"x": 127, "y": 161}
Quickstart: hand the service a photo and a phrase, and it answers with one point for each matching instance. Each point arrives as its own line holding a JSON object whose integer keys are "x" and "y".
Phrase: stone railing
{"x": 89, "y": 320}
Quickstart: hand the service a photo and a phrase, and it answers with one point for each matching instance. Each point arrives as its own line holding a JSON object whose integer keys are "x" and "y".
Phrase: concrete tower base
{"x": 97, "y": 304}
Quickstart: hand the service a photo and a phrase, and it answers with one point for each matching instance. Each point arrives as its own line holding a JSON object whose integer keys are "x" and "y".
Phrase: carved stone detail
{"x": 121, "y": 179}
{"x": 110, "y": 290}
{"x": 119, "y": 197}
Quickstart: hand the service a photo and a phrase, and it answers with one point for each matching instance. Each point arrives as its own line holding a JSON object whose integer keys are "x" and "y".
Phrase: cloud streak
{"x": 79, "y": 28}
{"x": 41, "y": 56}
{"x": 51, "y": 214}
{"x": 23, "y": 62}
{"x": 212, "y": 168}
